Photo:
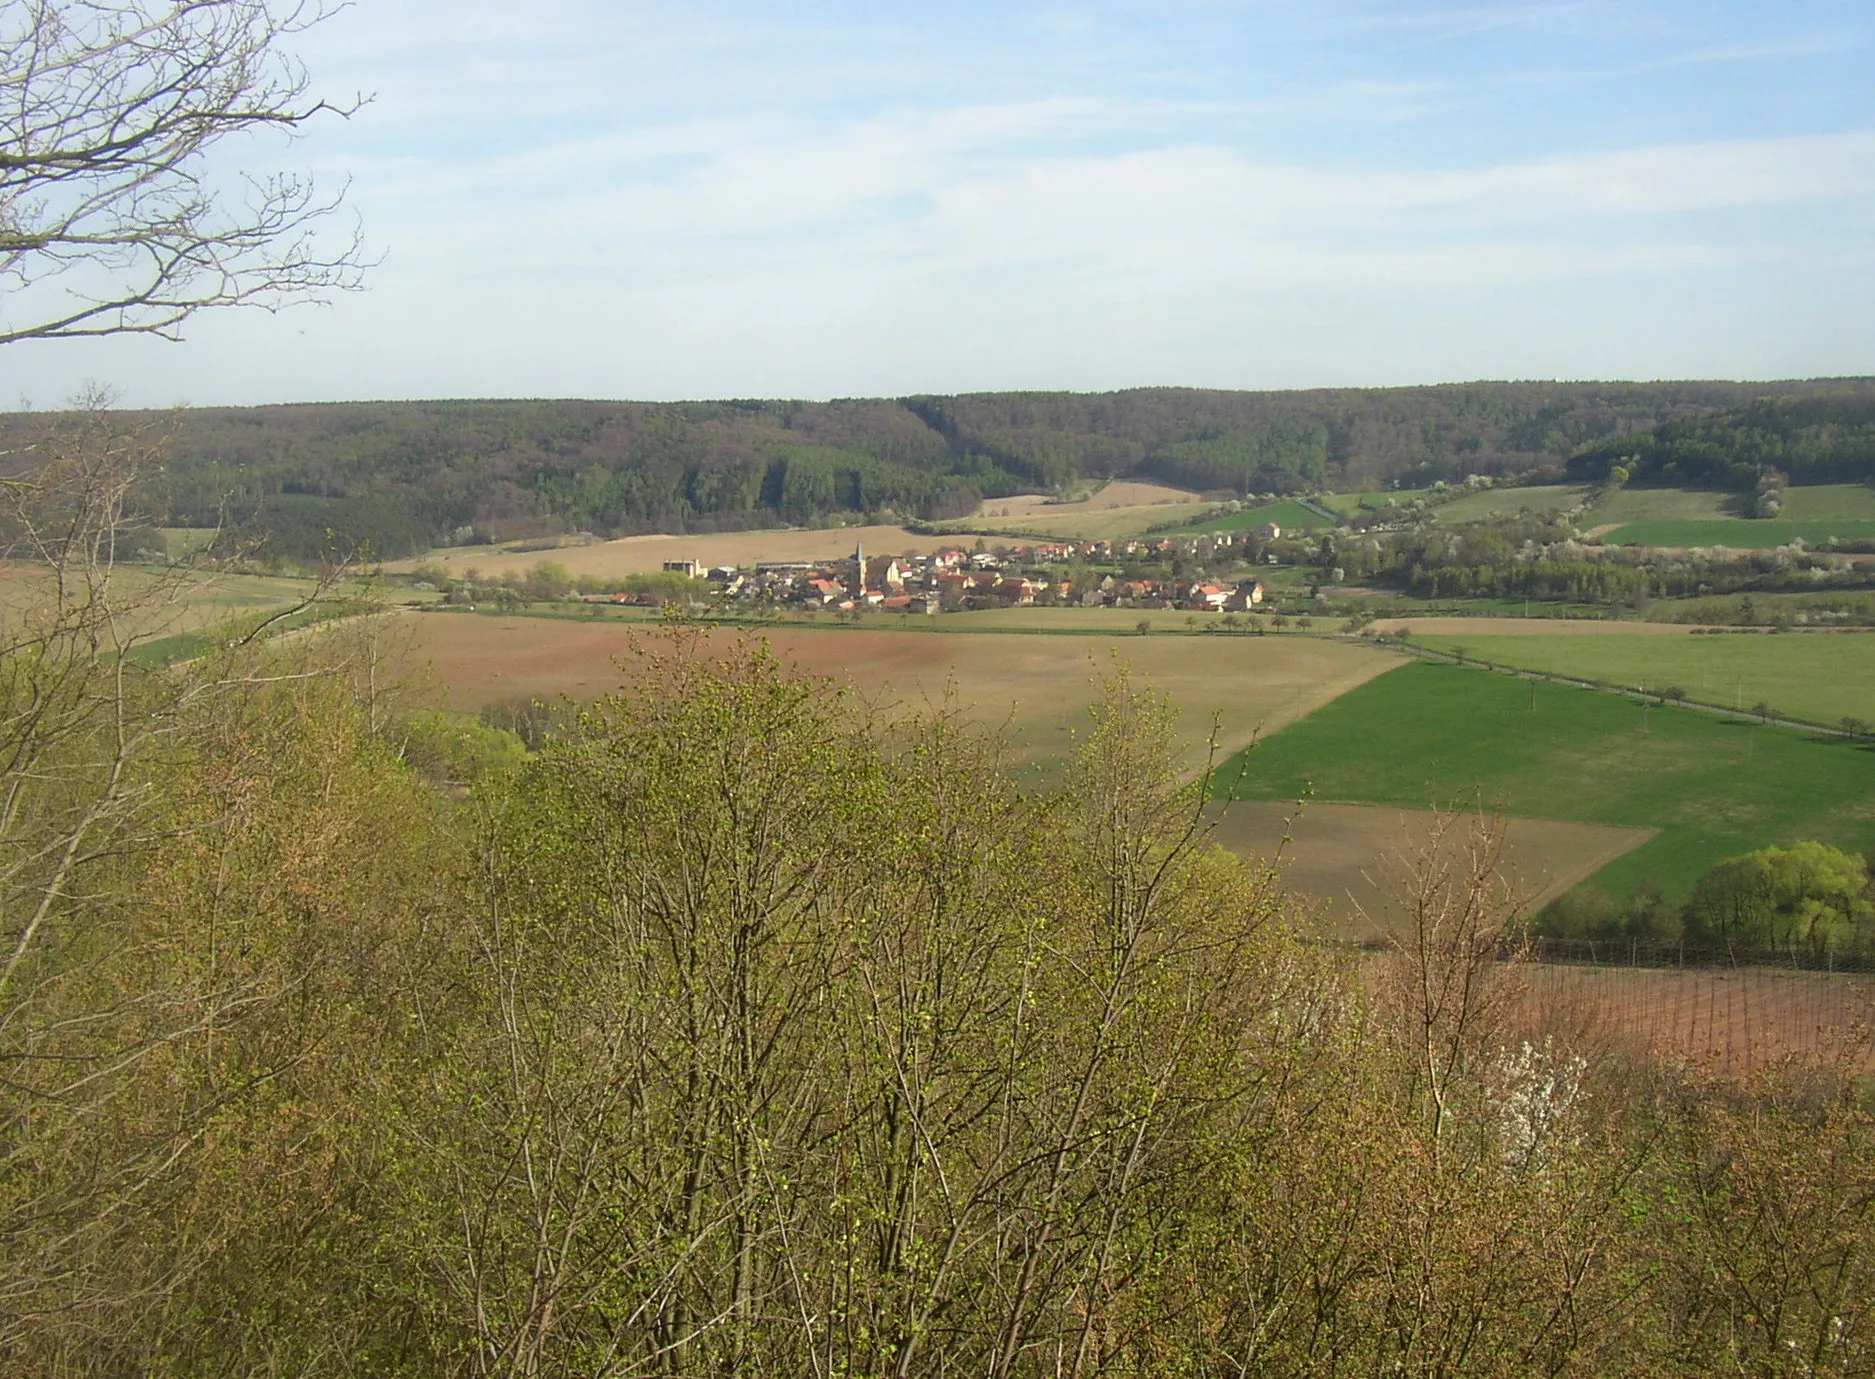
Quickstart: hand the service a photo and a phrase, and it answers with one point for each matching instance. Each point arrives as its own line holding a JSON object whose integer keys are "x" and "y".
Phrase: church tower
{"x": 859, "y": 570}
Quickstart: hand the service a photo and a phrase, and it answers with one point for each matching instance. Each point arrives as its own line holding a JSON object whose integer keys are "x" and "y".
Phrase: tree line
{"x": 1823, "y": 437}
{"x": 1807, "y": 901}
{"x": 400, "y": 477}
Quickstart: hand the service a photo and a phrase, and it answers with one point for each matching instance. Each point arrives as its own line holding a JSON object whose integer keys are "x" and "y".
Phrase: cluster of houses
{"x": 949, "y": 580}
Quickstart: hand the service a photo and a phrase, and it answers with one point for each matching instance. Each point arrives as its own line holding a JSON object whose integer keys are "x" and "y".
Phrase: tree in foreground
{"x": 733, "y": 1033}
{"x": 113, "y": 218}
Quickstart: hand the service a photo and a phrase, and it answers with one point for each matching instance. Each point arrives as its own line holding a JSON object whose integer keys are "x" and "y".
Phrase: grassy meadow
{"x": 1737, "y": 532}
{"x": 1491, "y": 503}
{"x": 1700, "y": 517}
{"x": 1429, "y": 733}
{"x": 1819, "y": 677}
{"x": 171, "y": 611}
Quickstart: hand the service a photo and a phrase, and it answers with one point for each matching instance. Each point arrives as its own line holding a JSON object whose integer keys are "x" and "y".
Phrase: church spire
{"x": 859, "y": 570}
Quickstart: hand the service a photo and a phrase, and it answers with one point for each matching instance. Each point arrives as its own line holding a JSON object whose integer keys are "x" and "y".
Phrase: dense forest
{"x": 1819, "y": 438}
{"x": 401, "y": 477}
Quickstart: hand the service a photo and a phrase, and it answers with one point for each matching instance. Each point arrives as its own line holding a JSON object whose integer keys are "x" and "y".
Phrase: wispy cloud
{"x": 734, "y": 196}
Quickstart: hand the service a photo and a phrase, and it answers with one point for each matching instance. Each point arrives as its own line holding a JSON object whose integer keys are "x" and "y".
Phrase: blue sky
{"x": 660, "y": 200}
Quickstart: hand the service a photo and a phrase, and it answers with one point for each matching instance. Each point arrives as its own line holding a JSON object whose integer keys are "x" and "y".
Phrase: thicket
{"x": 726, "y": 1033}
{"x": 1808, "y": 901}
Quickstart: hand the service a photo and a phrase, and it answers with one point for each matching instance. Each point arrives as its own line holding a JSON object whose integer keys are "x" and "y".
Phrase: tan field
{"x": 1526, "y": 627}
{"x": 1119, "y": 509}
{"x": 158, "y": 603}
{"x": 1121, "y": 493}
{"x": 1039, "y": 686}
{"x": 632, "y": 555}
{"x": 1352, "y": 857}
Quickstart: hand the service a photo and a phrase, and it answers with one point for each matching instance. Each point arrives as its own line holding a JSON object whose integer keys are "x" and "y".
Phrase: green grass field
{"x": 1508, "y": 502}
{"x": 1834, "y": 607}
{"x": 1432, "y": 733}
{"x": 1701, "y": 517}
{"x": 1819, "y": 677}
{"x": 1287, "y": 515}
{"x": 1830, "y": 503}
{"x": 1746, "y": 535}
{"x": 1662, "y": 505}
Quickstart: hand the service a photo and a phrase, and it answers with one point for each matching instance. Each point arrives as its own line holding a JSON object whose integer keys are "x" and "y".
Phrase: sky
{"x": 657, "y": 199}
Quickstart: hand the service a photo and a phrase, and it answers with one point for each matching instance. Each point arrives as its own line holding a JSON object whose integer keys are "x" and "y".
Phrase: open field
{"x": 1810, "y": 503}
{"x": 1352, "y": 856}
{"x": 1434, "y": 733}
{"x": 1040, "y": 686}
{"x": 633, "y": 555}
{"x": 1468, "y": 628}
{"x": 182, "y": 541}
{"x": 1289, "y": 516}
{"x": 1817, "y": 676}
{"x": 1822, "y": 608}
{"x": 1123, "y": 508}
{"x": 1508, "y": 502}
{"x": 1662, "y": 505}
{"x": 1830, "y": 503}
{"x": 168, "y": 603}
{"x": 1112, "y": 621}
{"x": 1675, "y": 517}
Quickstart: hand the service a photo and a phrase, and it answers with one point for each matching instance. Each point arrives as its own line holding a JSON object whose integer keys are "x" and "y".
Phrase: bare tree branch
{"x": 110, "y": 222}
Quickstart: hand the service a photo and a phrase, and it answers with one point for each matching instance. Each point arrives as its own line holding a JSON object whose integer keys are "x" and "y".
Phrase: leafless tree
{"x": 111, "y": 219}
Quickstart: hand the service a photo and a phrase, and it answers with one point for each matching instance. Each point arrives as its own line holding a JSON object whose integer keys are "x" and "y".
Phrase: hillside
{"x": 1823, "y": 437}
{"x": 404, "y": 476}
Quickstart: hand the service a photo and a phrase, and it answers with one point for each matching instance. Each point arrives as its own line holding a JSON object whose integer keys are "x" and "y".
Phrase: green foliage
{"x": 1807, "y": 896}
{"x": 399, "y": 477}
{"x": 456, "y": 750}
{"x": 1819, "y": 437}
{"x": 731, "y": 1034}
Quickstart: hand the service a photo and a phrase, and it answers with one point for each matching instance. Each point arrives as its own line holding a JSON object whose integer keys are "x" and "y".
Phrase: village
{"x": 1023, "y": 575}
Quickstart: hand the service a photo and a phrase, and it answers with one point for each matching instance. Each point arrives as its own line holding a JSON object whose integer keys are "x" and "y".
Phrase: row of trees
{"x": 1535, "y": 560}
{"x": 1809, "y": 901}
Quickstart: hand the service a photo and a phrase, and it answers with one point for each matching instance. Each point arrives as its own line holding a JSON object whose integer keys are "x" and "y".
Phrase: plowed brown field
{"x": 1352, "y": 857}
{"x": 1733, "y": 1021}
{"x": 1039, "y": 685}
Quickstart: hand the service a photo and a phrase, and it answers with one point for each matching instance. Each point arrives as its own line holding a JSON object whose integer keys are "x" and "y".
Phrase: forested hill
{"x": 1811, "y": 438}
{"x": 406, "y": 475}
